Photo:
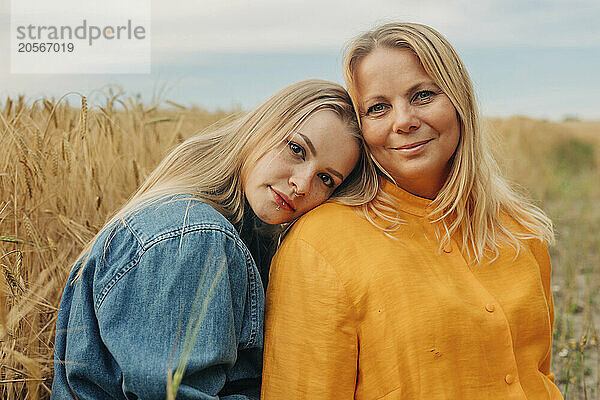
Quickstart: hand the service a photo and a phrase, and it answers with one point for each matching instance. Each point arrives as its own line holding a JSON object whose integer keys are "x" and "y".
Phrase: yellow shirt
{"x": 354, "y": 314}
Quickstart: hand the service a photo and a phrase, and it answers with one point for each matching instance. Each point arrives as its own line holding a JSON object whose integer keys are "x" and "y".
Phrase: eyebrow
{"x": 334, "y": 172}
{"x": 314, "y": 152}
{"x": 308, "y": 143}
{"x": 419, "y": 85}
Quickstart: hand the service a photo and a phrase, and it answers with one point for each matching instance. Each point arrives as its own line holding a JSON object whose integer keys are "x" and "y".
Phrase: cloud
{"x": 276, "y": 25}
{"x": 237, "y": 49}
{"x": 190, "y": 26}
{"x": 291, "y": 25}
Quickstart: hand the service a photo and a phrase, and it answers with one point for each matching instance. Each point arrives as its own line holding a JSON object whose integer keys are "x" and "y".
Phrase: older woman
{"x": 439, "y": 288}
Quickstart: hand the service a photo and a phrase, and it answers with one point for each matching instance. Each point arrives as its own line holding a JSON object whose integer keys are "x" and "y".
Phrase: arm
{"x": 540, "y": 252}
{"x": 201, "y": 275}
{"x": 311, "y": 344}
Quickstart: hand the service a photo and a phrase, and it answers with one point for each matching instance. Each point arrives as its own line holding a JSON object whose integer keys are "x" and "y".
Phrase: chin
{"x": 270, "y": 218}
{"x": 269, "y": 221}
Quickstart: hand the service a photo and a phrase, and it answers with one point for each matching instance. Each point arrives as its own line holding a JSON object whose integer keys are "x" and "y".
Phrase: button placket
{"x": 494, "y": 311}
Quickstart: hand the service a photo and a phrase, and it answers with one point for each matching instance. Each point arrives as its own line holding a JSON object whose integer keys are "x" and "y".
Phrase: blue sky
{"x": 534, "y": 58}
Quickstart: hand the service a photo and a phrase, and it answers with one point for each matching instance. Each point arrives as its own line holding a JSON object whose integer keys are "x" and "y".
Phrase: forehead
{"x": 384, "y": 66}
{"x": 330, "y": 136}
{"x": 323, "y": 127}
{"x": 321, "y": 120}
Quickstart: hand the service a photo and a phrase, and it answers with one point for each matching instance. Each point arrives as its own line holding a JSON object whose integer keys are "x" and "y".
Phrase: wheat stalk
{"x": 83, "y": 118}
{"x": 196, "y": 314}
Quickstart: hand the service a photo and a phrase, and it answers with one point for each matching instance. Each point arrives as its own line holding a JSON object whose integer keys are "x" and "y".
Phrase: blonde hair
{"x": 475, "y": 193}
{"x": 212, "y": 164}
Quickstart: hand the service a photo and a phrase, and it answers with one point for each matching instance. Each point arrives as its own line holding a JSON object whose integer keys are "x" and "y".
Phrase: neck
{"x": 426, "y": 188}
{"x": 425, "y": 185}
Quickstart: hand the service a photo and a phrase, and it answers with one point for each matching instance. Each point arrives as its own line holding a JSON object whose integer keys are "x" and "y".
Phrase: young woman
{"x": 439, "y": 288}
{"x": 174, "y": 253}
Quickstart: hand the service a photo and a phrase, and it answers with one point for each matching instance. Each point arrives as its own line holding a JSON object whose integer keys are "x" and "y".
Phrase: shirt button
{"x": 509, "y": 379}
{"x": 490, "y": 307}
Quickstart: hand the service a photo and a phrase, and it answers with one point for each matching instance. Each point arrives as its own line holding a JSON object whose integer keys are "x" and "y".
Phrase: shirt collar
{"x": 408, "y": 202}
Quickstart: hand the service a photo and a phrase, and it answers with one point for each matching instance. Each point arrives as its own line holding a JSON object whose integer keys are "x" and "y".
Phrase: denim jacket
{"x": 124, "y": 325}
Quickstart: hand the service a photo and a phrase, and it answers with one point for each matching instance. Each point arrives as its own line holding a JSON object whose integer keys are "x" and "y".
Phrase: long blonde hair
{"x": 475, "y": 193}
{"x": 212, "y": 164}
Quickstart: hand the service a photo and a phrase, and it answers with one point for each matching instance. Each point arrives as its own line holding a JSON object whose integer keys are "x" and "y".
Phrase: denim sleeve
{"x": 197, "y": 282}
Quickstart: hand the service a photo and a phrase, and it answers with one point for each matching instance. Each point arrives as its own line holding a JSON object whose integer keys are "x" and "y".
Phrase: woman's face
{"x": 302, "y": 172}
{"x": 410, "y": 125}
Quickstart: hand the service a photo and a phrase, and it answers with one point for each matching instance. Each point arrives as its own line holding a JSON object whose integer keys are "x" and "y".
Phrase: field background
{"x": 64, "y": 169}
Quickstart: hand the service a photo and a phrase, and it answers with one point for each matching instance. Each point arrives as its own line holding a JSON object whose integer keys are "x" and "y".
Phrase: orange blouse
{"x": 354, "y": 314}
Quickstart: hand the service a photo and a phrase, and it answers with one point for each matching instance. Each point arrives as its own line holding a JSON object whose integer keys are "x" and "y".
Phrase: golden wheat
{"x": 65, "y": 170}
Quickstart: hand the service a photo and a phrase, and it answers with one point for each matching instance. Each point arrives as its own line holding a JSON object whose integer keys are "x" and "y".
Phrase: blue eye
{"x": 297, "y": 149}
{"x": 376, "y": 109}
{"x": 327, "y": 180}
{"x": 423, "y": 96}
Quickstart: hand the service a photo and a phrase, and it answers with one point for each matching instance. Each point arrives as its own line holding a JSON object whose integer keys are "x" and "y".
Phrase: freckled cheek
{"x": 317, "y": 189}
{"x": 279, "y": 167}
{"x": 444, "y": 118}
{"x": 375, "y": 134}
{"x": 316, "y": 197}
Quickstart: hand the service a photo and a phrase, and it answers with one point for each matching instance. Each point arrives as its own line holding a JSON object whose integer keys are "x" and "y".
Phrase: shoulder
{"x": 337, "y": 235}
{"x": 335, "y": 229}
{"x": 180, "y": 232}
{"x": 531, "y": 240}
{"x": 326, "y": 222}
{"x": 176, "y": 216}
{"x": 178, "y": 225}
{"x": 332, "y": 250}
{"x": 530, "y": 246}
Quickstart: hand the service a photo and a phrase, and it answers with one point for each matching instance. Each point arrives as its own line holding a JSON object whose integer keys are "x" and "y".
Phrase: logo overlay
{"x": 75, "y": 37}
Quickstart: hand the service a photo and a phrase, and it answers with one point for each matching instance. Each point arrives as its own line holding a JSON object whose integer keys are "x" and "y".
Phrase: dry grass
{"x": 62, "y": 172}
{"x": 559, "y": 165}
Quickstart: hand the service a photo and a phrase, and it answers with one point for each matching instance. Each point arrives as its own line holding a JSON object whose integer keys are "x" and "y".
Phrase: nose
{"x": 300, "y": 181}
{"x": 405, "y": 119}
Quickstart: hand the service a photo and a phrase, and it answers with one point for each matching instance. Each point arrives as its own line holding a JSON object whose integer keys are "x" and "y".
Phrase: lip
{"x": 412, "y": 147}
{"x": 282, "y": 200}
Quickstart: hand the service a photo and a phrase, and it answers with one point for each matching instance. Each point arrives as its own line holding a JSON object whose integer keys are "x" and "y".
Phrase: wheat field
{"x": 64, "y": 169}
